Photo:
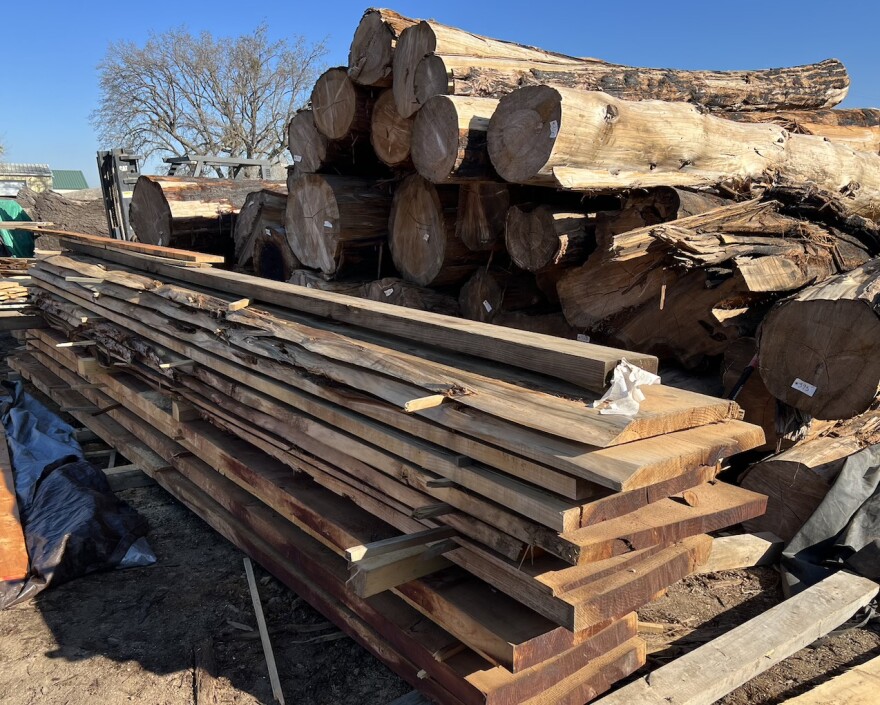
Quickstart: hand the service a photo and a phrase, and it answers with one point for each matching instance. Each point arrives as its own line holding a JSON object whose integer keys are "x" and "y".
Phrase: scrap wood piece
{"x": 13, "y": 551}
{"x": 715, "y": 669}
{"x": 370, "y": 576}
{"x": 396, "y": 543}
{"x": 204, "y": 681}
{"x": 744, "y": 551}
{"x": 264, "y": 632}
{"x": 858, "y": 686}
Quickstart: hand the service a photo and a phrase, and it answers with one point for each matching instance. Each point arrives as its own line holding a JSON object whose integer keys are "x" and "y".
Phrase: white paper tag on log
{"x": 583, "y": 338}
{"x": 624, "y": 396}
{"x": 297, "y": 158}
{"x": 388, "y": 292}
{"x": 426, "y": 236}
{"x": 487, "y": 306}
{"x": 804, "y": 387}
{"x": 328, "y": 224}
{"x": 554, "y": 129}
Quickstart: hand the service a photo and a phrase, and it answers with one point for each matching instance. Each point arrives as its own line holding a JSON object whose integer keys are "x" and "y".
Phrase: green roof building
{"x": 68, "y": 180}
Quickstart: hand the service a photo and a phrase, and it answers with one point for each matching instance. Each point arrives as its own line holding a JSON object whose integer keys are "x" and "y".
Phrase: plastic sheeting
{"x": 16, "y": 243}
{"x": 844, "y": 531}
{"x": 73, "y": 523}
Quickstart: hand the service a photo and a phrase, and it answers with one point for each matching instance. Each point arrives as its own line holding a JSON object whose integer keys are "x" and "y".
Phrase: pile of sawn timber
{"x": 455, "y": 465}
{"x": 720, "y": 220}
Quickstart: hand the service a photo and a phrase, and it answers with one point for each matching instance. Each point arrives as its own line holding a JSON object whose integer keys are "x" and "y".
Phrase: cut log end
{"x": 312, "y": 219}
{"x": 414, "y": 44}
{"x": 523, "y": 131}
{"x": 334, "y": 103}
{"x": 369, "y": 58}
{"x": 435, "y": 140}
{"x": 431, "y": 78}
{"x": 307, "y": 145}
{"x": 390, "y": 134}
{"x": 482, "y": 208}
{"x": 418, "y": 231}
{"x": 530, "y": 240}
{"x": 273, "y": 257}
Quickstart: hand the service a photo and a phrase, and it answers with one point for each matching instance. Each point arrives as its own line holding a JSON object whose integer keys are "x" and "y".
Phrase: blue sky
{"x": 54, "y": 47}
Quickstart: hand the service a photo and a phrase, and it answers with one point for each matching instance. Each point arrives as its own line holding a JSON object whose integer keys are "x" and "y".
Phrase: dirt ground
{"x": 129, "y": 635}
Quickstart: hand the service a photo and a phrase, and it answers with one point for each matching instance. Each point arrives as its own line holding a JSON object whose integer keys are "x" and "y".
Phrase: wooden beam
{"x": 370, "y": 576}
{"x": 397, "y": 543}
{"x": 744, "y": 551}
{"x": 858, "y": 686}
{"x": 712, "y": 671}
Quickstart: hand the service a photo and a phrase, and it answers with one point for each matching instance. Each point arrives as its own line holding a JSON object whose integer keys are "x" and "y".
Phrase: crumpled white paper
{"x": 624, "y": 396}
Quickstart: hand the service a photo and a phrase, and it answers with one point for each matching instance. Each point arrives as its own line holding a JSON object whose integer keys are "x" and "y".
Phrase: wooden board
{"x": 580, "y": 363}
{"x": 743, "y": 551}
{"x": 13, "y": 552}
{"x": 17, "y": 320}
{"x": 712, "y": 671}
{"x": 858, "y": 686}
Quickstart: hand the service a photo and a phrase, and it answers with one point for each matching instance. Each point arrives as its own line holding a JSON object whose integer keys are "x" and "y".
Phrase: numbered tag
{"x": 487, "y": 306}
{"x": 297, "y": 158}
{"x": 388, "y": 292}
{"x": 554, "y": 129}
{"x": 804, "y": 387}
{"x": 328, "y": 224}
{"x": 583, "y": 338}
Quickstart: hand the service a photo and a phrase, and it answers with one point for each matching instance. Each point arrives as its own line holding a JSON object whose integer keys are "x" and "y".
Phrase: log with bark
{"x": 315, "y": 153}
{"x": 587, "y": 140}
{"x": 191, "y": 213}
{"x": 372, "y": 48}
{"x": 400, "y": 292}
{"x": 429, "y": 37}
{"x": 337, "y": 223}
{"x": 858, "y": 128}
{"x": 391, "y": 134}
{"x": 796, "y": 481}
{"x": 818, "y": 348}
{"x": 538, "y": 236}
{"x": 261, "y": 210}
{"x": 491, "y": 290}
{"x": 482, "y": 207}
{"x": 820, "y": 85}
{"x": 341, "y": 108}
{"x": 422, "y": 234}
{"x": 449, "y": 139}
{"x": 273, "y": 257}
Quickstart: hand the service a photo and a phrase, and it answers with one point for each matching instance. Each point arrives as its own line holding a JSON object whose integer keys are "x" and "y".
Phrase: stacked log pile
{"x": 457, "y": 466}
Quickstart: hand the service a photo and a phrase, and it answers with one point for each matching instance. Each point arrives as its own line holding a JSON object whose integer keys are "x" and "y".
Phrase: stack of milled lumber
{"x": 394, "y": 465}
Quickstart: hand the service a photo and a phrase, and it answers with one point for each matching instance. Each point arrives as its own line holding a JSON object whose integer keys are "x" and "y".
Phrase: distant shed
{"x": 66, "y": 180}
{"x": 14, "y": 177}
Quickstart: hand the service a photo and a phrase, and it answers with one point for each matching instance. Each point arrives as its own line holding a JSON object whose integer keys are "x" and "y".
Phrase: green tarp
{"x": 18, "y": 243}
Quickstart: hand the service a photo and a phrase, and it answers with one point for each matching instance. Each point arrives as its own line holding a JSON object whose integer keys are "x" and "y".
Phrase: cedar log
{"x": 372, "y": 48}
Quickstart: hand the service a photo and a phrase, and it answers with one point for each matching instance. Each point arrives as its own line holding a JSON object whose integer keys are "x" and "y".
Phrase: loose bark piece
{"x": 796, "y": 481}
{"x": 820, "y": 85}
{"x": 403, "y": 293}
{"x": 558, "y": 136}
{"x": 541, "y": 236}
{"x": 341, "y": 107}
{"x": 336, "y": 221}
{"x": 372, "y": 48}
{"x": 817, "y": 348}
{"x": 196, "y": 213}
{"x": 261, "y": 210}
{"x": 479, "y": 221}
{"x": 429, "y": 37}
{"x": 424, "y": 245}
{"x": 449, "y": 139}
{"x": 391, "y": 134}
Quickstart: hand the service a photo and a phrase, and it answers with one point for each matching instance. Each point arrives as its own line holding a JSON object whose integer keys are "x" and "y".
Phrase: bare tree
{"x": 181, "y": 93}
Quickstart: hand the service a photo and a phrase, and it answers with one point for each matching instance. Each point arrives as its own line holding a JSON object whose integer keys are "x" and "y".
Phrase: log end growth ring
{"x": 435, "y": 139}
{"x": 417, "y": 232}
{"x": 312, "y": 222}
{"x": 369, "y": 58}
{"x": 390, "y": 134}
{"x": 431, "y": 78}
{"x": 529, "y": 237}
{"x": 334, "y": 103}
{"x": 523, "y": 131}
{"x": 414, "y": 44}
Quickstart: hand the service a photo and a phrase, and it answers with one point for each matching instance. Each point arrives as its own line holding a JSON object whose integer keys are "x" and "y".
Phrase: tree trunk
{"x": 490, "y": 291}
{"x": 821, "y": 85}
{"x": 273, "y": 258}
{"x": 479, "y": 222}
{"x": 818, "y": 349}
{"x": 313, "y": 280}
{"x": 609, "y": 143}
{"x": 540, "y": 236}
{"x": 261, "y": 210}
{"x": 429, "y": 37}
{"x": 449, "y": 139}
{"x": 191, "y": 213}
{"x": 390, "y": 134}
{"x": 546, "y": 323}
{"x": 372, "y": 48}
{"x": 796, "y": 481}
{"x": 315, "y": 153}
{"x": 336, "y": 222}
{"x": 341, "y": 107}
{"x": 858, "y": 128}
{"x": 391, "y": 290}
{"x": 424, "y": 244}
